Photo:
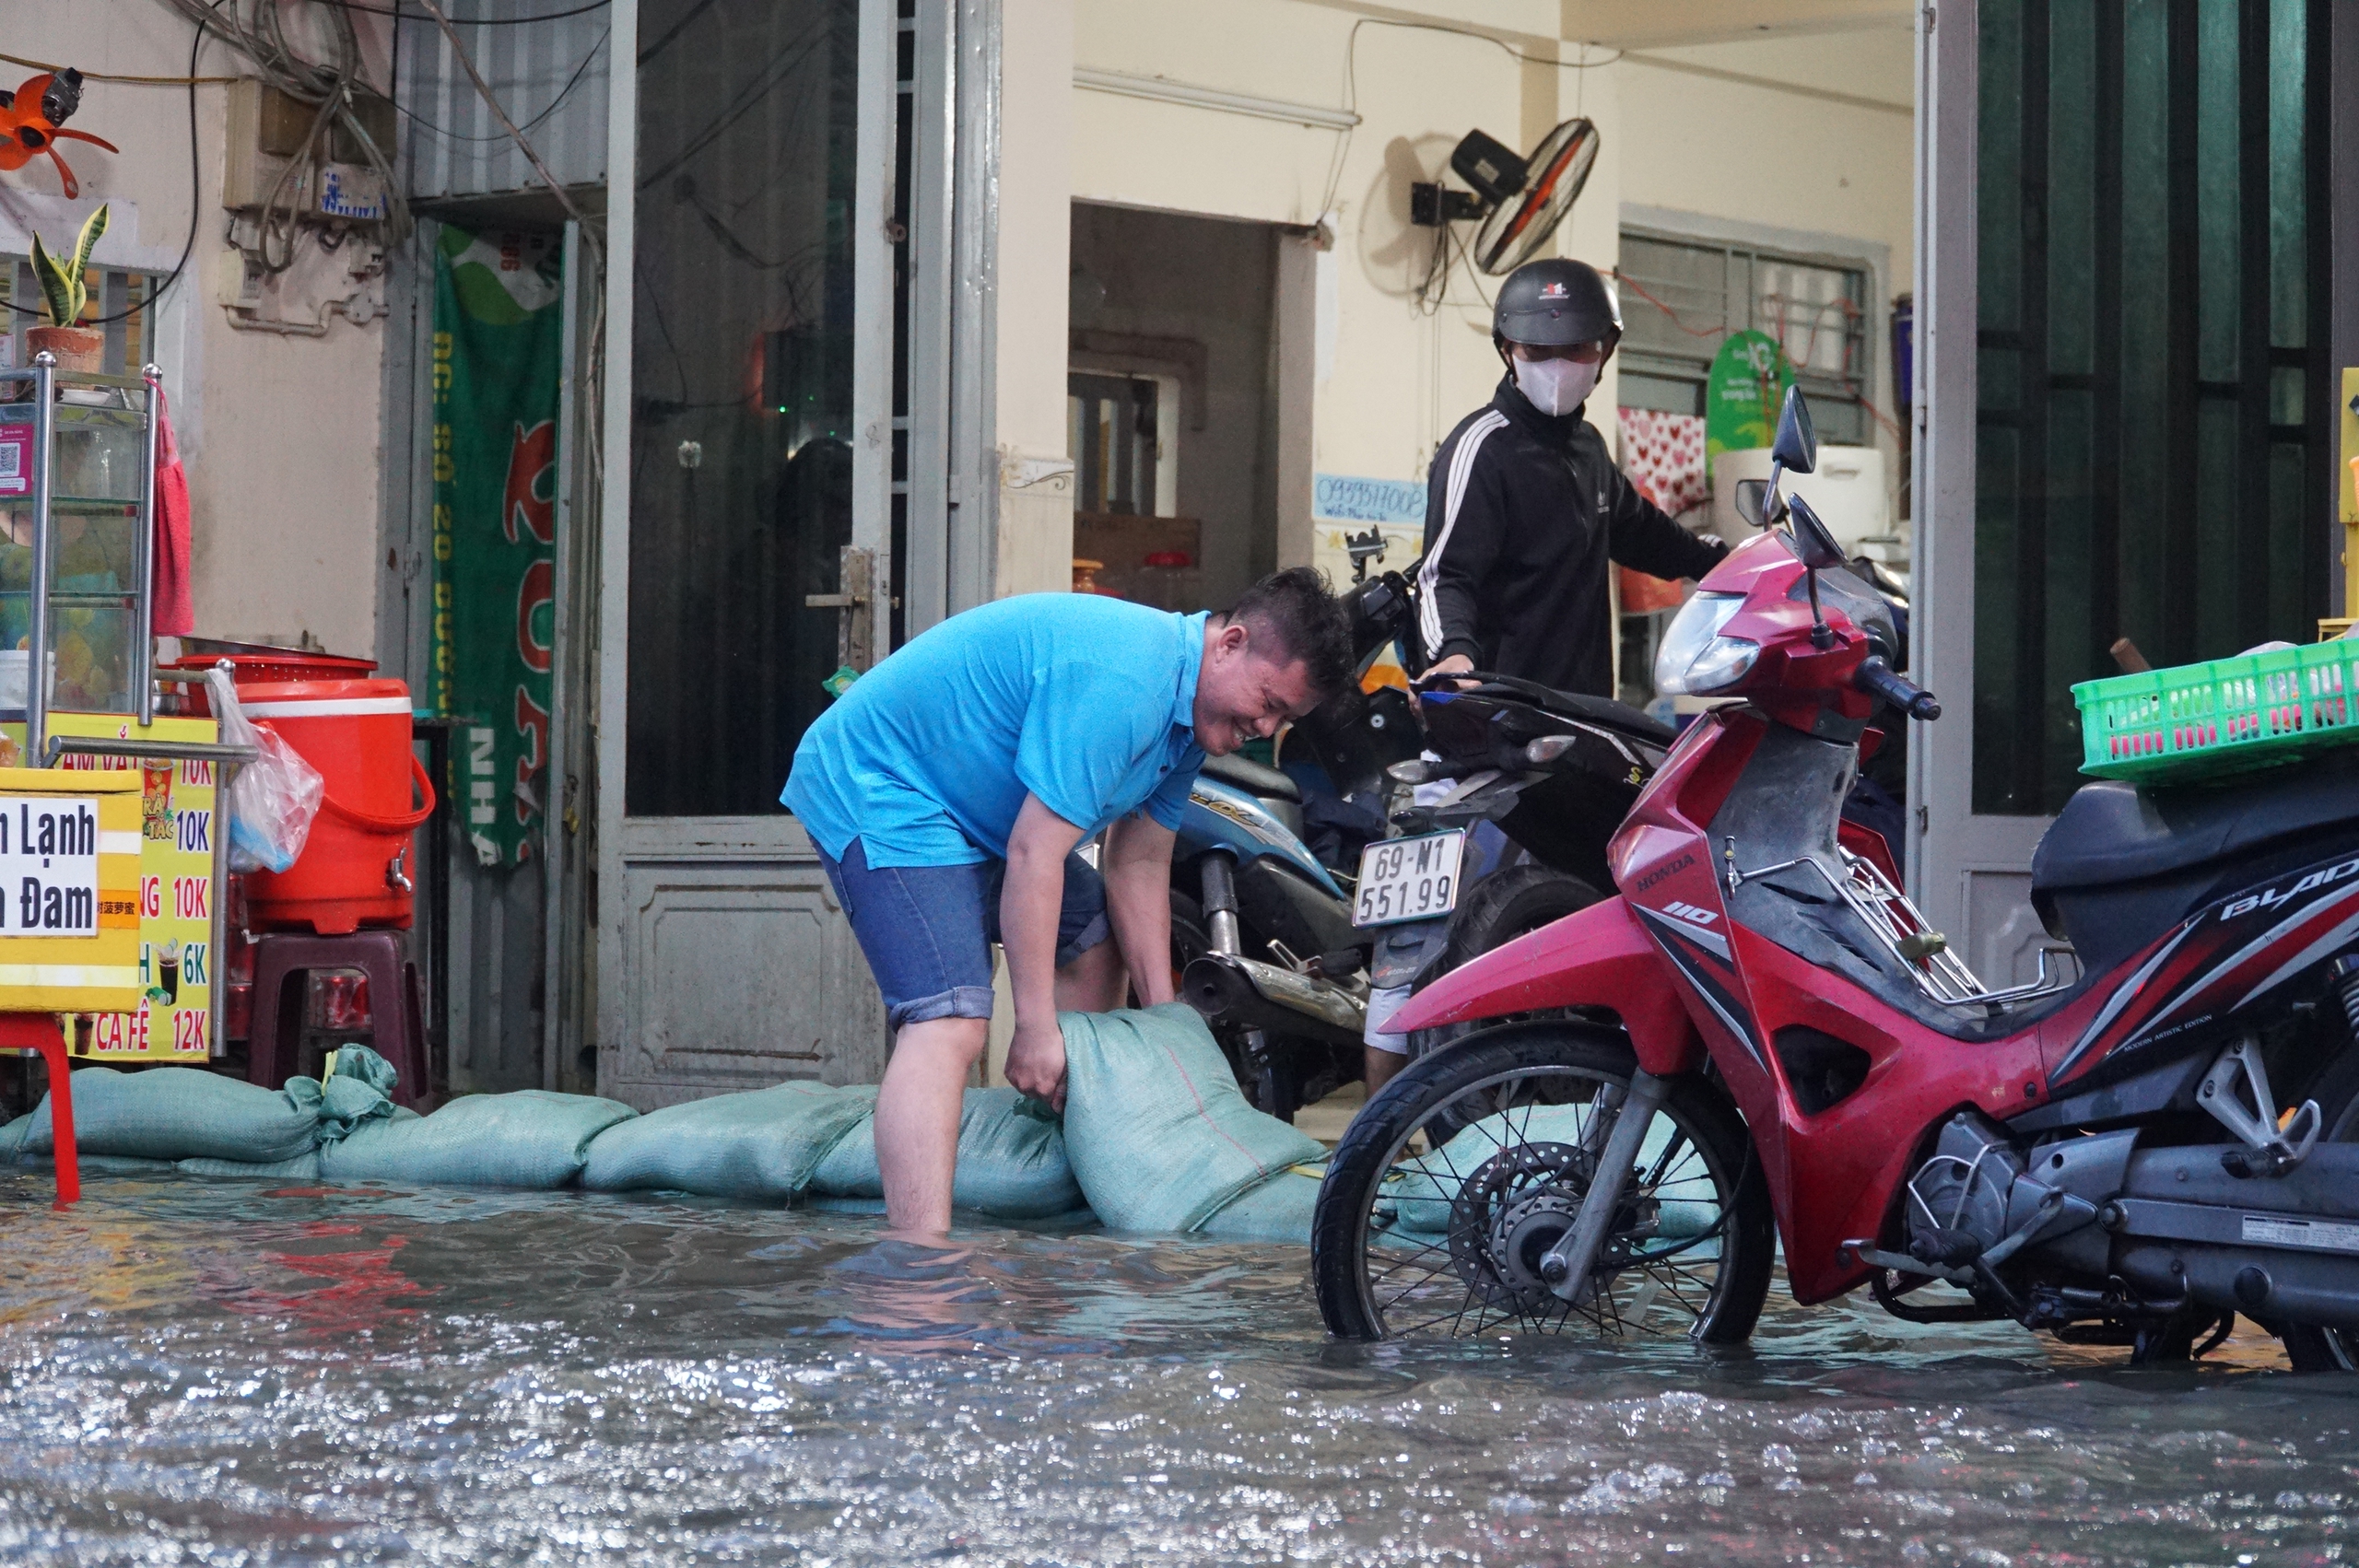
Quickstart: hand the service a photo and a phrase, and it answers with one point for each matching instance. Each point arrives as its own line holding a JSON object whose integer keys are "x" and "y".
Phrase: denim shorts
{"x": 927, "y": 930}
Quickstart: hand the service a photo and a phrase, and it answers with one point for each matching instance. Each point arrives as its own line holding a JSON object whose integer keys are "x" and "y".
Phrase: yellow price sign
{"x": 167, "y": 1014}
{"x": 69, "y": 879}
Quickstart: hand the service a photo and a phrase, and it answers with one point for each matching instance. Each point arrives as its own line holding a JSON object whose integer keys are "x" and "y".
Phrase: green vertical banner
{"x": 498, "y": 326}
{"x": 1743, "y": 394}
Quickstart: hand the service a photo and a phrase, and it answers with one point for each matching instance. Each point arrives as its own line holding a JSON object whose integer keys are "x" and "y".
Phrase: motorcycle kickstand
{"x": 1567, "y": 1264}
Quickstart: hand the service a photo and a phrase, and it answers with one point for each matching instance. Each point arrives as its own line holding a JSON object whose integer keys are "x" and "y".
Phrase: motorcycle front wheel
{"x": 1456, "y": 1181}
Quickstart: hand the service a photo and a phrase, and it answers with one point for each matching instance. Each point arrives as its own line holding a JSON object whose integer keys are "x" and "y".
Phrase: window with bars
{"x": 1682, "y": 297}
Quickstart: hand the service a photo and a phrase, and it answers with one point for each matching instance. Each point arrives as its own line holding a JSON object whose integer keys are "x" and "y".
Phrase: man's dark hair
{"x": 1300, "y": 614}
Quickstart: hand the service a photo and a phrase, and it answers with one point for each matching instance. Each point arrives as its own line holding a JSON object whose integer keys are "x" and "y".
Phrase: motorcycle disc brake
{"x": 1507, "y": 1215}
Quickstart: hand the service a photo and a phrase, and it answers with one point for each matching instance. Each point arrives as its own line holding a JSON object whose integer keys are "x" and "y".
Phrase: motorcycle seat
{"x": 1602, "y": 711}
{"x": 1244, "y": 773}
{"x": 2120, "y": 865}
{"x": 2110, "y": 832}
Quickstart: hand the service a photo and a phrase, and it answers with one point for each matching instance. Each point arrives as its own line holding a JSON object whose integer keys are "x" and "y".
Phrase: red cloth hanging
{"x": 174, "y": 606}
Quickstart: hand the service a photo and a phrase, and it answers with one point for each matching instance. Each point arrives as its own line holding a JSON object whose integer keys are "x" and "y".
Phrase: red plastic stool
{"x": 397, "y": 1000}
{"x": 39, "y": 1032}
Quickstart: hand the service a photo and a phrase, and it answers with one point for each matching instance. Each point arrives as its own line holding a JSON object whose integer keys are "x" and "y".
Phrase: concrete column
{"x": 1035, "y": 239}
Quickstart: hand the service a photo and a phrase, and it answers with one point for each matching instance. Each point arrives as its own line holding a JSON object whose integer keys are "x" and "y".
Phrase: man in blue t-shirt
{"x": 948, "y": 789}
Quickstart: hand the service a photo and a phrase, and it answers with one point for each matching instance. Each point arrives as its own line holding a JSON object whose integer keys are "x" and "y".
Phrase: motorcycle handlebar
{"x": 1878, "y": 678}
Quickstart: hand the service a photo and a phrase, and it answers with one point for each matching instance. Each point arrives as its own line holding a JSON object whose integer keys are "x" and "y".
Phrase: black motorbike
{"x": 1537, "y": 783}
{"x": 1262, "y": 932}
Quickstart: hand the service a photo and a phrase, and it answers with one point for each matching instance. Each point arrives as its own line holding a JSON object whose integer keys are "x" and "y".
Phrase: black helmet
{"x": 1557, "y": 302}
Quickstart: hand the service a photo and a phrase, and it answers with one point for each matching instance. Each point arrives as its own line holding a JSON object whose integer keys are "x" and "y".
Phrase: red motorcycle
{"x": 1761, "y": 1040}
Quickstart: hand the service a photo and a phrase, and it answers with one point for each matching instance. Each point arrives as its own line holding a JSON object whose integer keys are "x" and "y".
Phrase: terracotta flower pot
{"x": 77, "y": 348}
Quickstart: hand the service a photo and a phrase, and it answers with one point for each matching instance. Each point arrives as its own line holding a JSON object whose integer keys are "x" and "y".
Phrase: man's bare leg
{"x": 917, "y": 1120}
{"x": 1380, "y": 1067}
{"x": 1095, "y": 981}
{"x": 924, "y": 1090}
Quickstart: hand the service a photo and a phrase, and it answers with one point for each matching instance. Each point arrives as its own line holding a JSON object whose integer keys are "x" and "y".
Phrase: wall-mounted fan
{"x": 1519, "y": 200}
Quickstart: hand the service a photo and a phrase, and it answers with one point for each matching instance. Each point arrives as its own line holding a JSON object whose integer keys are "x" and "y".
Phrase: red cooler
{"x": 358, "y": 866}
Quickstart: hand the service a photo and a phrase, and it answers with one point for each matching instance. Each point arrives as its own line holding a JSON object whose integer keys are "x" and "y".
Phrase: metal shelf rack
{"x": 111, "y": 421}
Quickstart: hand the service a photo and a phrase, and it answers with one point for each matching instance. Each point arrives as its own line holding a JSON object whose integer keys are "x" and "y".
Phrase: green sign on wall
{"x": 497, "y": 324}
{"x": 1744, "y": 392}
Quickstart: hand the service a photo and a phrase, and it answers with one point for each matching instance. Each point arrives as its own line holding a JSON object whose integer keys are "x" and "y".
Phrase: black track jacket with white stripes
{"x": 1522, "y": 512}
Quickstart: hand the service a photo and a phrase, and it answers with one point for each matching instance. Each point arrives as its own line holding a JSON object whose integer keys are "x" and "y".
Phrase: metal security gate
{"x": 2125, "y": 389}
{"x": 792, "y": 374}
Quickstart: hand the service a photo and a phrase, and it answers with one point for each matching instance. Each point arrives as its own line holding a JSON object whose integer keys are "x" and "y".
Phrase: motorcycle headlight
{"x": 1696, "y": 659}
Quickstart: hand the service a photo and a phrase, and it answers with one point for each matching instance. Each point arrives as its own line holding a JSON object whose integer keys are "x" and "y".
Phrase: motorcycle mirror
{"x": 1753, "y": 501}
{"x": 1796, "y": 447}
{"x": 1814, "y": 543}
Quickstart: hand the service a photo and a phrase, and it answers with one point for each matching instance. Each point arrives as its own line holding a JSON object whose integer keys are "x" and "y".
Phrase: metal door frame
{"x": 949, "y": 516}
{"x": 1952, "y": 848}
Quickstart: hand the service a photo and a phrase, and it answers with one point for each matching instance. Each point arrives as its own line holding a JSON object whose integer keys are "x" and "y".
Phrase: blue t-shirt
{"x": 1085, "y": 701}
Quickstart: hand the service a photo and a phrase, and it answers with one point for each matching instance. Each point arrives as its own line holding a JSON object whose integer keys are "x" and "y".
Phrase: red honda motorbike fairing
{"x": 1852, "y": 1043}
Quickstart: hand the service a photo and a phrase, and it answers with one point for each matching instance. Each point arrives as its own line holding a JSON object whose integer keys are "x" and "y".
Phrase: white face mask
{"x": 1555, "y": 386}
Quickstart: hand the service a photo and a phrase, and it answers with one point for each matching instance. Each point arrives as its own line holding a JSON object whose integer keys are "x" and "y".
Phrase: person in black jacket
{"x": 1524, "y": 508}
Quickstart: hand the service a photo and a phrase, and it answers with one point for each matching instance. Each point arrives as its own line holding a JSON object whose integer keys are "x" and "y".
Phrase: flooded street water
{"x": 230, "y": 1373}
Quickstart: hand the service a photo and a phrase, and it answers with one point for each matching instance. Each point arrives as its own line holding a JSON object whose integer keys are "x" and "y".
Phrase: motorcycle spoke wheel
{"x": 1456, "y": 1181}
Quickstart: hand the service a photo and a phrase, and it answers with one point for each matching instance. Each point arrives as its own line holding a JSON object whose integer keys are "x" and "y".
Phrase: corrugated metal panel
{"x": 550, "y": 76}
{"x": 495, "y": 988}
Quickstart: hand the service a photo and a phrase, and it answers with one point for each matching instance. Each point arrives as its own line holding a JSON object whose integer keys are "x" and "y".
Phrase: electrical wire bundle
{"x": 331, "y": 85}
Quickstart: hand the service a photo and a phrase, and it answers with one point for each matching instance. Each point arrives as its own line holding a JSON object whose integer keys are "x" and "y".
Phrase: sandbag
{"x": 530, "y": 1139}
{"x": 12, "y": 1138}
{"x": 302, "y": 1168}
{"x": 1159, "y": 1135}
{"x": 761, "y": 1144}
{"x": 1011, "y": 1161}
{"x": 1278, "y": 1210}
{"x": 183, "y": 1113}
{"x": 356, "y": 1090}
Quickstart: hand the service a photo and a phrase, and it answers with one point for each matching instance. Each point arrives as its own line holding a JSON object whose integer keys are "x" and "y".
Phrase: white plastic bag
{"x": 273, "y": 798}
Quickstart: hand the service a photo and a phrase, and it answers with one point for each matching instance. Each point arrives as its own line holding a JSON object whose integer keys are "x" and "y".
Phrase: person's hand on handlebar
{"x": 1455, "y": 664}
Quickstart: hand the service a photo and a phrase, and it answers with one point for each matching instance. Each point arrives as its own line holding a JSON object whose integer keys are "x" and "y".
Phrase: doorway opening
{"x": 1171, "y": 408}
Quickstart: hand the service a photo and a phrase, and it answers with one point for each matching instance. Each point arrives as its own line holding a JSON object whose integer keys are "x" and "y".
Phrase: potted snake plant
{"x": 65, "y": 295}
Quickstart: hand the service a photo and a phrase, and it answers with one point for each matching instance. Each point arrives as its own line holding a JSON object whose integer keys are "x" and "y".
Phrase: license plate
{"x": 1408, "y": 879}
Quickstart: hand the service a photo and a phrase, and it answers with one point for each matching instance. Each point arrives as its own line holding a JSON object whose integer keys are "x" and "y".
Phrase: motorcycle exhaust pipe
{"x": 2283, "y": 1248}
{"x": 1228, "y": 989}
{"x": 2267, "y": 1286}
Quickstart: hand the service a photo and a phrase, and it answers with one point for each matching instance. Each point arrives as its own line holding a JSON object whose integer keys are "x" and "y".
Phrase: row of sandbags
{"x": 1154, "y": 1137}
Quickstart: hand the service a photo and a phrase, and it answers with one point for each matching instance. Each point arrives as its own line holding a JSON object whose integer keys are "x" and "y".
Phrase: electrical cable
{"x": 400, "y": 15}
{"x": 556, "y": 103}
{"x": 329, "y": 86}
{"x": 523, "y": 144}
{"x": 196, "y": 200}
{"x": 129, "y": 81}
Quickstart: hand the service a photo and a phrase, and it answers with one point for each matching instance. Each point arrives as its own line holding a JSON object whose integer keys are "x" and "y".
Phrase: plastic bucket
{"x": 358, "y": 866}
{"x": 284, "y": 665}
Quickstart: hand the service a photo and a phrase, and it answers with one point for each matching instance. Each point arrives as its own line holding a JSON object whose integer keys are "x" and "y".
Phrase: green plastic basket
{"x": 2196, "y": 720}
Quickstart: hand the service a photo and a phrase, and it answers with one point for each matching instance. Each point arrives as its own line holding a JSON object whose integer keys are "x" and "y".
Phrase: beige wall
{"x": 280, "y": 435}
{"x": 1677, "y": 133}
{"x": 1812, "y": 133}
{"x": 1035, "y": 238}
{"x": 1396, "y": 376}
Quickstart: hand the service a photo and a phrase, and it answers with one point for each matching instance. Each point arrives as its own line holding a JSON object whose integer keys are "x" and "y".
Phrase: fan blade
{"x": 64, "y": 175}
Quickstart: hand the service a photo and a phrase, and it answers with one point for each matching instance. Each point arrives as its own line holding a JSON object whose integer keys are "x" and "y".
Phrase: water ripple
{"x": 226, "y": 1373}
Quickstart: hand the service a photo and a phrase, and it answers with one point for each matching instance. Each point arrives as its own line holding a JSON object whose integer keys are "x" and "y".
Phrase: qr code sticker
{"x": 11, "y": 457}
